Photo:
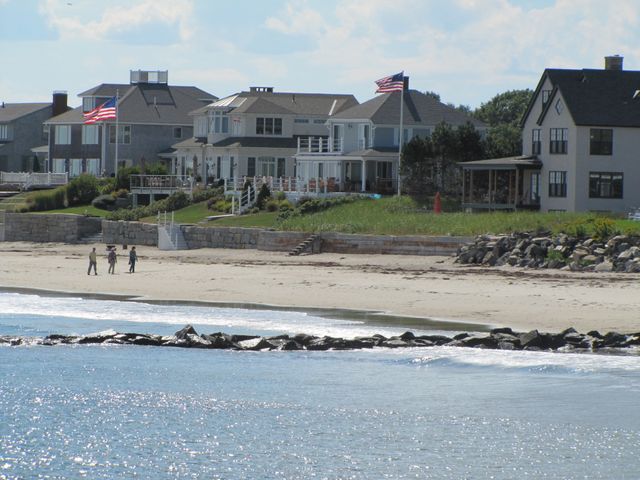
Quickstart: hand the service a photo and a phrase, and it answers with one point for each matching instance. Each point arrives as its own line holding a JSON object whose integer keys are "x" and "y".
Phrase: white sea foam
{"x": 218, "y": 317}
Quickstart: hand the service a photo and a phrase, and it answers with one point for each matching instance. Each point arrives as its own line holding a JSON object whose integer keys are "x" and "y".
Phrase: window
{"x": 218, "y": 167}
{"x": 45, "y": 133}
{"x": 535, "y": 187}
{"x": 90, "y": 134}
{"x": 93, "y": 166}
{"x": 268, "y": 126}
{"x": 251, "y": 167}
{"x": 383, "y": 169}
{"x": 280, "y": 167}
{"x": 177, "y": 132}
{"x": 301, "y": 120}
{"x": 124, "y": 134}
{"x": 558, "y": 138}
{"x": 545, "y": 97}
{"x": 75, "y": 167}
{"x": 88, "y": 104}
{"x": 4, "y": 132}
{"x": 319, "y": 121}
{"x": 535, "y": 142}
{"x": 59, "y": 165}
{"x": 557, "y": 184}
{"x": 219, "y": 122}
{"x": 267, "y": 166}
{"x": 63, "y": 135}
{"x": 201, "y": 125}
{"x": 601, "y": 141}
{"x": 605, "y": 184}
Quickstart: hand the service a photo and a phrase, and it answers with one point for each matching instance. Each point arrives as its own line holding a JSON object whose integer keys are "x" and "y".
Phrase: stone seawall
{"x": 129, "y": 233}
{"x": 72, "y": 228}
{"x": 20, "y": 227}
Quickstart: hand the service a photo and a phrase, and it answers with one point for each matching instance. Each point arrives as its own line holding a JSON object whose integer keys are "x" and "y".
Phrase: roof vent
{"x": 613, "y": 62}
{"x": 261, "y": 89}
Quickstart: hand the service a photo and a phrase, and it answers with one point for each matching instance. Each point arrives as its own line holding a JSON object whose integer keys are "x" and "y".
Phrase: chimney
{"x": 613, "y": 62}
{"x": 406, "y": 83}
{"x": 59, "y": 105}
{"x": 261, "y": 89}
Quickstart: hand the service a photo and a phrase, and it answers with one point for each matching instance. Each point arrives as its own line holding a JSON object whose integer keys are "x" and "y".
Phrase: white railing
{"x": 159, "y": 182}
{"x": 34, "y": 179}
{"x": 319, "y": 145}
{"x": 170, "y": 236}
{"x": 278, "y": 184}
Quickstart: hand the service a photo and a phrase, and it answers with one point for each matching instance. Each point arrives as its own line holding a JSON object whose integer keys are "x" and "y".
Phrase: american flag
{"x": 106, "y": 111}
{"x": 392, "y": 83}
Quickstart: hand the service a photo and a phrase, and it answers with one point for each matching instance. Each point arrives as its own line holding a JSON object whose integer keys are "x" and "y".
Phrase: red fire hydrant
{"x": 437, "y": 204}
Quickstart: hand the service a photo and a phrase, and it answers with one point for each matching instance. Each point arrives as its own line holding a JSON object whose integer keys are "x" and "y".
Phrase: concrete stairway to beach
{"x": 12, "y": 201}
{"x": 307, "y": 246}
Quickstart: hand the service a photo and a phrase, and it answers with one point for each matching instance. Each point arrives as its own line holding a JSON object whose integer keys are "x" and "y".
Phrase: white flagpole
{"x": 401, "y": 133}
{"x": 117, "y": 134}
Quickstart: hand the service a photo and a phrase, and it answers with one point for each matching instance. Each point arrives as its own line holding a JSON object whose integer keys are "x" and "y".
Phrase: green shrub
{"x": 219, "y": 205}
{"x": 281, "y": 196}
{"x": 202, "y": 194}
{"x": 47, "y": 200}
{"x": 123, "y": 180}
{"x": 104, "y": 202}
{"x": 174, "y": 202}
{"x": 263, "y": 194}
{"x": 553, "y": 254}
{"x": 272, "y": 205}
{"x": 576, "y": 229}
{"x": 106, "y": 185}
{"x": 81, "y": 190}
{"x": 603, "y": 228}
{"x": 157, "y": 168}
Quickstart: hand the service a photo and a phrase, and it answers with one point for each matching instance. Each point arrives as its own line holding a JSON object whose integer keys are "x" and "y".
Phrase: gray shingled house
{"x": 580, "y": 139}
{"x": 254, "y": 133}
{"x": 21, "y": 131}
{"x": 152, "y": 115}
{"x": 360, "y": 152}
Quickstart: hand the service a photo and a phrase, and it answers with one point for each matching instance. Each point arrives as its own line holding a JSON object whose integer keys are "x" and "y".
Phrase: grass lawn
{"x": 80, "y": 210}
{"x": 195, "y": 213}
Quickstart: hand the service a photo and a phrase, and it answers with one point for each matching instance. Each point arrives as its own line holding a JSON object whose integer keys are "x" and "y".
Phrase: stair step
{"x": 304, "y": 245}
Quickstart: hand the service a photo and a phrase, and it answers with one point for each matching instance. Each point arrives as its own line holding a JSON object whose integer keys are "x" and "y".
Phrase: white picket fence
{"x": 28, "y": 180}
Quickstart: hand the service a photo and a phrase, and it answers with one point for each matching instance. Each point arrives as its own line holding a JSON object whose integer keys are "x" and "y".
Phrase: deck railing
{"x": 150, "y": 183}
{"x": 319, "y": 145}
{"x": 34, "y": 179}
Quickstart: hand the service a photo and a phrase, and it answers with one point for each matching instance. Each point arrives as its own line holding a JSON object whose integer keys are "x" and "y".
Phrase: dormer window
{"x": 268, "y": 126}
{"x": 219, "y": 122}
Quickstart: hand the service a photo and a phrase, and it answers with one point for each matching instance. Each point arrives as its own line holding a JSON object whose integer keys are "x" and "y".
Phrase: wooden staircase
{"x": 310, "y": 245}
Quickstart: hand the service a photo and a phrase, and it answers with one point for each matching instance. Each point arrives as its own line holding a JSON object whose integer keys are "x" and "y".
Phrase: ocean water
{"x": 120, "y": 412}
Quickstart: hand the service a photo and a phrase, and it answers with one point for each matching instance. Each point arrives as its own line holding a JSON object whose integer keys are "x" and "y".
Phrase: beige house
{"x": 254, "y": 134}
{"x": 581, "y": 141}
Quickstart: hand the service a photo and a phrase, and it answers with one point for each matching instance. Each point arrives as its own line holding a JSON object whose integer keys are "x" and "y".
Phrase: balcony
{"x": 319, "y": 145}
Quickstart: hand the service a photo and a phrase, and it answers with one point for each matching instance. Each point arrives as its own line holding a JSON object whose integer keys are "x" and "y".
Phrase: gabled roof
{"x": 12, "y": 111}
{"x": 144, "y": 103}
{"x": 596, "y": 97}
{"x": 419, "y": 109}
{"x": 284, "y": 103}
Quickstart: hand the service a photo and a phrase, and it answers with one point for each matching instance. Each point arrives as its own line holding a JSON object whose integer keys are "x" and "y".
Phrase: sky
{"x": 465, "y": 50}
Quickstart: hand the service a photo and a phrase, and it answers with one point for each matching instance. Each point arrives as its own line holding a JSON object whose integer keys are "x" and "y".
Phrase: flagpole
{"x": 401, "y": 133}
{"x": 117, "y": 134}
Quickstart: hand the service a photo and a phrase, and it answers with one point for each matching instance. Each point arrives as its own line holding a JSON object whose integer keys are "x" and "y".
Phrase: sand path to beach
{"x": 433, "y": 287}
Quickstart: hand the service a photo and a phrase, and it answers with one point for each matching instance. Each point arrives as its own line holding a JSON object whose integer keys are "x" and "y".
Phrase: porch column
{"x": 515, "y": 200}
{"x": 364, "y": 176}
{"x": 464, "y": 174}
{"x": 471, "y": 186}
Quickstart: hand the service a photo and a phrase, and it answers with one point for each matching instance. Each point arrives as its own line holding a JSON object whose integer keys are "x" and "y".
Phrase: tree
{"x": 503, "y": 114}
{"x": 418, "y": 167}
{"x": 432, "y": 94}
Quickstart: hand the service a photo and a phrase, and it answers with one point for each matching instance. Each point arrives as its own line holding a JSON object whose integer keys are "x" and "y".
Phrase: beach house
{"x": 580, "y": 143}
{"x": 254, "y": 134}
{"x": 152, "y": 116}
{"x": 359, "y": 151}
{"x": 21, "y": 132}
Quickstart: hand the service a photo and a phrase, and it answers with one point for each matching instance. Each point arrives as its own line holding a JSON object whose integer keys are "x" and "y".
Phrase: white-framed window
{"x": 364, "y": 136}
{"x": 267, "y": 166}
{"x": 124, "y": 134}
{"x": 63, "y": 135}
{"x": 177, "y": 132}
{"x": 219, "y": 122}
{"x": 300, "y": 120}
{"x": 319, "y": 121}
{"x": 59, "y": 165}
{"x": 75, "y": 167}
{"x": 88, "y": 104}
{"x": 408, "y": 135}
{"x": 90, "y": 134}
{"x": 4, "y": 131}
{"x": 268, "y": 126}
{"x": 93, "y": 166}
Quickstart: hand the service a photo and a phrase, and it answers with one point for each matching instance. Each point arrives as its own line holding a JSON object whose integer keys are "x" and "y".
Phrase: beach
{"x": 397, "y": 285}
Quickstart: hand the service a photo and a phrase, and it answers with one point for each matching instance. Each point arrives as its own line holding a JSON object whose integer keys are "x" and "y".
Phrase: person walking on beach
{"x": 112, "y": 258}
{"x": 133, "y": 258}
{"x": 93, "y": 262}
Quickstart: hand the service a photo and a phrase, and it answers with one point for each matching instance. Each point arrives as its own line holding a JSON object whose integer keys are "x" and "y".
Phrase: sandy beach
{"x": 425, "y": 287}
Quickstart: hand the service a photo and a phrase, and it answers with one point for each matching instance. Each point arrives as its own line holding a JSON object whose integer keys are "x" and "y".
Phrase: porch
{"x": 511, "y": 183}
{"x": 154, "y": 185}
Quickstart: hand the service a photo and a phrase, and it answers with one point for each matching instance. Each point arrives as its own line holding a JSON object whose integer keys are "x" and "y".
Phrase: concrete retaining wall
{"x": 71, "y": 228}
{"x": 20, "y": 227}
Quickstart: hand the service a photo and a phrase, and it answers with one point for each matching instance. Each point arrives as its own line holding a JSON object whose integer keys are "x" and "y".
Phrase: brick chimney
{"x": 59, "y": 105}
{"x": 613, "y": 62}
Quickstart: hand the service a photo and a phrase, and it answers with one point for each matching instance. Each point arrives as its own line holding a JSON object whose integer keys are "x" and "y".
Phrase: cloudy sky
{"x": 466, "y": 50}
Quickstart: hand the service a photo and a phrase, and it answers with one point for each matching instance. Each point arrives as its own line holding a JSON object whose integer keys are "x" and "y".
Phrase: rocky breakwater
{"x": 497, "y": 339}
{"x": 617, "y": 254}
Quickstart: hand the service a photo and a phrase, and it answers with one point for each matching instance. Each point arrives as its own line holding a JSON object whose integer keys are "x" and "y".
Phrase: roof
{"x": 190, "y": 143}
{"x": 257, "y": 142}
{"x": 12, "y": 111}
{"x": 596, "y": 97}
{"x": 506, "y": 163}
{"x": 144, "y": 103}
{"x": 285, "y": 103}
{"x": 419, "y": 109}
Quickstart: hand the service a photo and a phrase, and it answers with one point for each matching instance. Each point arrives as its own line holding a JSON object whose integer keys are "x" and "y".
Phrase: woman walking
{"x": 133, "y": 258}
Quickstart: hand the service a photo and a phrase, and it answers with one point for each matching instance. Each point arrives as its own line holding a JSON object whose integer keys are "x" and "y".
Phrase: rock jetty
{"x": 620, "y": 253}
{"x": 497, "y": 339}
